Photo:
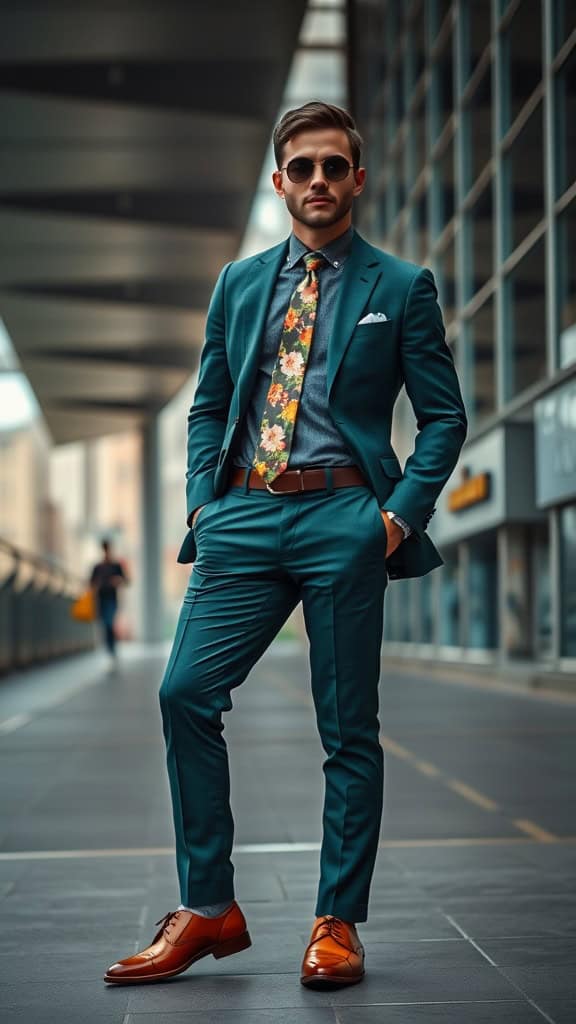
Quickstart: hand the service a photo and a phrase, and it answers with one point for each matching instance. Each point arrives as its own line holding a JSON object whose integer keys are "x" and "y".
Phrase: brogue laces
{"x": 333, "y": 928}
{"x": 166, "y": 922}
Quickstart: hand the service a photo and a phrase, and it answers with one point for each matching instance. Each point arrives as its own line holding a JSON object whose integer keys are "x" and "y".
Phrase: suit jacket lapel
{"x": 255, "y": 304}
{"x": 361, "y": 272}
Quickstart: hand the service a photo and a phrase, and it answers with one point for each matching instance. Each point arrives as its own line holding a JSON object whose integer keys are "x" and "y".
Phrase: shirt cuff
{"x": 406, "y": 529}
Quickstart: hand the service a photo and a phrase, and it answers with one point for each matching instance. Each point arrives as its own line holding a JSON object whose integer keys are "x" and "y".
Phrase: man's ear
{"x": 360, "y": 180}
{"x": 277, "y": 182}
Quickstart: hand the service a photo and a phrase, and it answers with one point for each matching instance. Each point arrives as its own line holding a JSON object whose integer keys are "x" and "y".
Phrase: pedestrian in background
{"x": 107, "y": 576}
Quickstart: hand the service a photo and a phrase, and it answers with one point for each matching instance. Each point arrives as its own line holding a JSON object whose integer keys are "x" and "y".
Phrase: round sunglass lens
{"x": 336, "y": 168}
{"x": 299, "y": 170}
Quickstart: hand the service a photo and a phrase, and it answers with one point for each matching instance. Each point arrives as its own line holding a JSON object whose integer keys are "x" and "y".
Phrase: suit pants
{"x": 258, "y": 554}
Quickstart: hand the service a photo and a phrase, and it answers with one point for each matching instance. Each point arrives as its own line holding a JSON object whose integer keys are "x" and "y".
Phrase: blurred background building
{"x": 469, "y": 117}
{"x": 135, "y": 161}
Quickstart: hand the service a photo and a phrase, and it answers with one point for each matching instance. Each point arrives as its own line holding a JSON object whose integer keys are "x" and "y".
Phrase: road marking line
{"x": 472, "y": 794}
{"x": 268, "y": 848}
{"x": 395, "y": 748}
{"x": 463, "y": 790}
{"x": 534, "y": 830}
{"x": 426, "y": 768}
{"x": 16, "y": 722}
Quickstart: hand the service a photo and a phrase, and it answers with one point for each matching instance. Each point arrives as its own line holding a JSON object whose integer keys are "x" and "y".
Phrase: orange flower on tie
{"x": 275, "y": 394}
{"x": 289, "y": 413}
{"x": 291, "y": 319}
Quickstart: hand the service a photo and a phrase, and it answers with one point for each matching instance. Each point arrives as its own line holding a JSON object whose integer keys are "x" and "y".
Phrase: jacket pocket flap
{"x": 391, "y": 466}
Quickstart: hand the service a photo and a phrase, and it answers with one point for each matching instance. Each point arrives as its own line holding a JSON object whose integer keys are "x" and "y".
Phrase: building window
{"x": 479, "y": 222}
{"x": 450, "y": 599}
{"x": 564, "y": 16}
{"x": 398, "y": 616}
{"x": 565, "y": 84}
{"x": 427, "y": 609}
{"x": 397, "y": 94}
{"x": 522, "y": 52}
{"x": 541, "y": 589}
{"x": 443, "y": 184}
{"x": 524, "y": 181}
{"x": 419, "y": 229}
{"x": 482, "y": 387}
{"x": 417, "y": 45}
{"x": 483, "y": 593}
{"x": 446, "y": 281}
{"x": 400, "y": 178}
{"x": 477, "y": 33}
{"x": 393, "y": 23}
{"x": 525, "y": 344}
{"x": 439, "y": 11}
{"x": 567, "y": 285}
{"x": 519, "y": 641}
{"x": 418, "y": 139}
{"x": 390, "y": 197}
{"x": 442, "y": 89}
{"x": 477, "y": 126}
{"x": 568, "y": 575}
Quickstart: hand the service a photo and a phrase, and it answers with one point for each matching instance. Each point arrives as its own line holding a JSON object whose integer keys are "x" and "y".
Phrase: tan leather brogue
{"x": 183, "y": 938}
{"x": 334, "y": 954}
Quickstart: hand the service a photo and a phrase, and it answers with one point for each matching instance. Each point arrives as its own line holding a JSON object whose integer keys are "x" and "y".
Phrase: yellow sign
{"x": 473, "y": 490}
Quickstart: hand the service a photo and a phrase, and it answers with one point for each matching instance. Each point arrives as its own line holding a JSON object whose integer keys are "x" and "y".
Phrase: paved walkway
{"x": 473, "y": 913}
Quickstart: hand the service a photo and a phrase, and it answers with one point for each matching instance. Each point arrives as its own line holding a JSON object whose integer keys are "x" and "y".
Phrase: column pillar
{"x": 152, "y": 582}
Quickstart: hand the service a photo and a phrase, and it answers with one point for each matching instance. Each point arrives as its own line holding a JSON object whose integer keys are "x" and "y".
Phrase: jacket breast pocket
{"x": 380, "y": 332}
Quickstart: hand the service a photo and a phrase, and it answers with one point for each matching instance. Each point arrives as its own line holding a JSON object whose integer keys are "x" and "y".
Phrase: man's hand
{"x": 394, "y": 532}
{"x": 196, "y": 514}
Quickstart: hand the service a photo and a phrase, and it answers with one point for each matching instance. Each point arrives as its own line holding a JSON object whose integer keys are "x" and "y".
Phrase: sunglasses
{"x": 301, "y": 168}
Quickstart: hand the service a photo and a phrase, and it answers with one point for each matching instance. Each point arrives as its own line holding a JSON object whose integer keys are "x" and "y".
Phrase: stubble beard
{"x": 307, "y": 215}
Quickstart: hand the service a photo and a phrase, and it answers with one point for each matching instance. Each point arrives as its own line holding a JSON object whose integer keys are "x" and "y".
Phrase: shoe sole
{"x": 321, "y": 980}
{"x": 218, "y": 952}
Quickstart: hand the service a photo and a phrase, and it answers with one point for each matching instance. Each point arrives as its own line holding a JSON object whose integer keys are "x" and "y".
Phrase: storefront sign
{"x": 555, "y": 418}
{"x": 493, "y": 485}
{"x": 470, "y": 492}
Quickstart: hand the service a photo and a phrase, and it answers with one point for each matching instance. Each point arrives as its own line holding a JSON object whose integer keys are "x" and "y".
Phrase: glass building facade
{"x": 468, "y": 111}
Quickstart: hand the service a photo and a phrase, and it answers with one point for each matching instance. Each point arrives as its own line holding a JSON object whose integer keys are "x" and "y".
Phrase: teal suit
{"x": 256, "y": 555}
{"x": 367, "y": 366}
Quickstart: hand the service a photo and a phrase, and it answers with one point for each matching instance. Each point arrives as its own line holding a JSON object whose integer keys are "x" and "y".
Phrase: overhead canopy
{"x": 132, "y": 136}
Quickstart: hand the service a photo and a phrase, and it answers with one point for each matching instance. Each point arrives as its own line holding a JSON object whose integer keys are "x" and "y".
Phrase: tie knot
{"x": 313, "y": 261}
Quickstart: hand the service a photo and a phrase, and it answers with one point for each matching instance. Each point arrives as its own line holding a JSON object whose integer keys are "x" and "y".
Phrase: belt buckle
{"x": 297, "y": 489}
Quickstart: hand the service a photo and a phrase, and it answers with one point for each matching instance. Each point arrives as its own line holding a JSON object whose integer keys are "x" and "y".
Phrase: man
{"x": 105, "y": 579}
{"x": 294, "y": 493}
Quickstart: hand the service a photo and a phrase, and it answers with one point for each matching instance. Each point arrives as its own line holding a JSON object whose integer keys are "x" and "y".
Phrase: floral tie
{"x": 281, "y": 407}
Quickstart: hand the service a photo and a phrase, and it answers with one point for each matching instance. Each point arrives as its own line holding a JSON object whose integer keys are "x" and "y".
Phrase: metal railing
{"x": 35, "y": 601}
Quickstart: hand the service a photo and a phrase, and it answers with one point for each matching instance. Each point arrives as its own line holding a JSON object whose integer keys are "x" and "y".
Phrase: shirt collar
{"x": 335, "y": 252}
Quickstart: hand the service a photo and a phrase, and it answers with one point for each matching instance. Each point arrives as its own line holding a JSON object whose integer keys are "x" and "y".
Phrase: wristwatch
{"x": 406, "y": 529}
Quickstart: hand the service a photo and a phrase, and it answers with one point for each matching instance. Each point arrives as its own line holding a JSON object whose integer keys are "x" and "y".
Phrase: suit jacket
{"x": 367, "y": 365}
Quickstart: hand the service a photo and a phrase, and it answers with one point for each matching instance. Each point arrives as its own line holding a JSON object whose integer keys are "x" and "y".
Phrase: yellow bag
{"x": 84, "y": 607}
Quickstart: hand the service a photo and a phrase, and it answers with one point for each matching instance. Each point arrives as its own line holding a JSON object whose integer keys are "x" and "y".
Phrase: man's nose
{"x": 319, "y": 179}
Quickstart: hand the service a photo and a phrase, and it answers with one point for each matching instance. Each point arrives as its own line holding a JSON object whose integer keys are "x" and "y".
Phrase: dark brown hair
{"x": 316, "y": 115}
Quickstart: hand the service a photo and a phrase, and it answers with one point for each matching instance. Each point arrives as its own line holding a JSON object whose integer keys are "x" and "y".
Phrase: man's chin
{"x": 320, "y": 215}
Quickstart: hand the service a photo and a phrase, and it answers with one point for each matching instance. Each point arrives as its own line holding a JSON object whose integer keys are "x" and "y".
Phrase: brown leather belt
{"x": 292, "y": 481}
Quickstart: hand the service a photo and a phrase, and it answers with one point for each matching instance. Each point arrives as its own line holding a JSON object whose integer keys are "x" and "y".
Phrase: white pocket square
{"x": 373, "y": 318}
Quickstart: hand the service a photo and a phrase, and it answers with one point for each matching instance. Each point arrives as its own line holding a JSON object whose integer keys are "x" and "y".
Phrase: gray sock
{"x": 210, "y": 910}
